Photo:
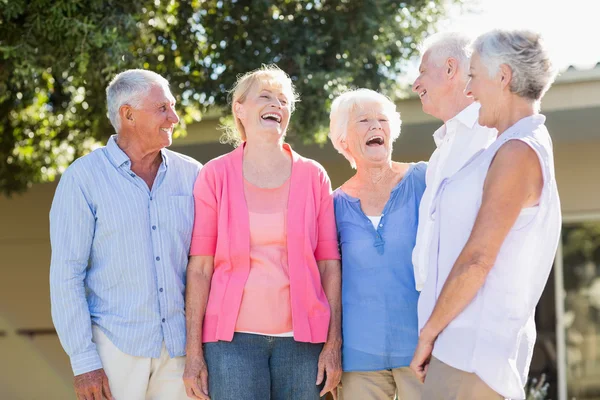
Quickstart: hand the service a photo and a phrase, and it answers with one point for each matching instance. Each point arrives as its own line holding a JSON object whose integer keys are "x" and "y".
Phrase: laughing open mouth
{"x": 272, "y": 117}
{"x": 375, "y": 141}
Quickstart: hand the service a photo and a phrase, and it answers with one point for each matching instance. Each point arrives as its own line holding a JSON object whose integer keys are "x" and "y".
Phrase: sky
{"x": 571, "y": 28}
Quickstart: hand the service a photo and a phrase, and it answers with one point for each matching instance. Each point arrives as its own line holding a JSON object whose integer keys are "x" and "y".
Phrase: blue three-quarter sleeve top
{"x": 379, "y": 300}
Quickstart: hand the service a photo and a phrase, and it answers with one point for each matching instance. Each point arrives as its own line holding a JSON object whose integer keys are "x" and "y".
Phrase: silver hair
{"x": 444, "y": 45}
{"x": 349, "y": 101}
{"x": 525, "y": 53}
{"x": 129, "y": 88}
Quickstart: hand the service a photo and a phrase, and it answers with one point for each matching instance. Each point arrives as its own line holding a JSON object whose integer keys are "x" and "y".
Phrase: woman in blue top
{"x": 377, "y": 214}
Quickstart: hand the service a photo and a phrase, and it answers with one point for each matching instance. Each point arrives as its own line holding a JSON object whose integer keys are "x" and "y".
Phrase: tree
{"x": 57, "y": 57}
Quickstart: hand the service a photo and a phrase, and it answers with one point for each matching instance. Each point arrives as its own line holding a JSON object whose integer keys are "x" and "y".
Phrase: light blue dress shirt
{"x": 119, "y": 255}
{"x": 379, "y": 299}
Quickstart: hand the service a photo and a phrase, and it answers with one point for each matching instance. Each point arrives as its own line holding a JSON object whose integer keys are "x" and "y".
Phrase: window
{"x": 581, "y": 315}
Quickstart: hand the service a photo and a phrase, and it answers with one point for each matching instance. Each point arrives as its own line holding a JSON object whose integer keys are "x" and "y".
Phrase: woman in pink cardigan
{"x": 263, "y": 305}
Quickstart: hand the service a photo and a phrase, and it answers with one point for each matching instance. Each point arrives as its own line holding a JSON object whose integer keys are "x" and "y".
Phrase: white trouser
{"x": 140, "y": 378}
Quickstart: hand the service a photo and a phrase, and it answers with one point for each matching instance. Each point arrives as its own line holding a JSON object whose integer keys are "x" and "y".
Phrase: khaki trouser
{"x": 381, "y": 385}
{"x": 139, "y": 378}
{"x": 444, "y": 382}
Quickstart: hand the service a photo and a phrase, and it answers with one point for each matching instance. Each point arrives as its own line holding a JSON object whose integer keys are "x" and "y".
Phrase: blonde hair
{"x": 345, "y": 104}
{"x": 267, "y": 75}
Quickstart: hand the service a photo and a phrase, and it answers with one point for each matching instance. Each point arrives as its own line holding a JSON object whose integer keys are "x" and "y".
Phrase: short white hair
{"x": 129, "y": 88}
{"x": 444, "y": 45}
{"x": 525, "y": 53}
{"x": 347, "y": 103}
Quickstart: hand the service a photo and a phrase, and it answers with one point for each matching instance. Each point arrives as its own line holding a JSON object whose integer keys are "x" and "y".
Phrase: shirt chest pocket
{"x": 177, "y": 216}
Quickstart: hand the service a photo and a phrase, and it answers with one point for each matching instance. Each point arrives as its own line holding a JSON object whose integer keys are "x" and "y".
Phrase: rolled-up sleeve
{"x": 72, "y": 224}
{"x": 204, "y": 235}
{"x": 327, "y": 245}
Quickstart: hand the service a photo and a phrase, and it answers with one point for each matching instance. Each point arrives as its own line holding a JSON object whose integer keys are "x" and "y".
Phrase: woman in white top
{"x": 497, "y": 223}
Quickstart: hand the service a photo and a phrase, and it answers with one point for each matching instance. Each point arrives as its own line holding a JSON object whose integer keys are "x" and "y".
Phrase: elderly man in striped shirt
{"x": 120, "y": 229}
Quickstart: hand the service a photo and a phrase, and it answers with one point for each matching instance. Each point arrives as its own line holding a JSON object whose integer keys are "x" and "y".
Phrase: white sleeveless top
{"x": 494, "y": 336}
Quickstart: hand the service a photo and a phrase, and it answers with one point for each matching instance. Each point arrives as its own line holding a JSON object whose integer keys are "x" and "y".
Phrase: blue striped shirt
{"x": 379, "y": 299}
{"x": 119, "y": 255}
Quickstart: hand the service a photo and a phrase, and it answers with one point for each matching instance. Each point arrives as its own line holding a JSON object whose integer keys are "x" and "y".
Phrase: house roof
{"x": 579, "y": 73}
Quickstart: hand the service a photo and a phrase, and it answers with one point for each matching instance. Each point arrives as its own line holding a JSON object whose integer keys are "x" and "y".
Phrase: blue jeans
{"x": 257, "y": 367}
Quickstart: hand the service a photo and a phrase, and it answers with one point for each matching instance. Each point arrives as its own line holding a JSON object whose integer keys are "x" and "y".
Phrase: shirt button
{"x": 381, "y": 225}
{"x": 153, "y": 227}
{"x": 150, "y": 198}
{"x": 132, "y": 175}
{"x": 157, "y": 258}
{"x": 163, "y": 320}
{"x": 160, "y": 290}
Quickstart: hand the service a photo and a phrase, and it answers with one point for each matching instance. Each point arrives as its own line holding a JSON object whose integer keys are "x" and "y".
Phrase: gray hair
{"x": 349, "y": 101}
{"x": 525, "y": 53}
{"x": 129, "y": 88}
{"x": 444, "y": 45}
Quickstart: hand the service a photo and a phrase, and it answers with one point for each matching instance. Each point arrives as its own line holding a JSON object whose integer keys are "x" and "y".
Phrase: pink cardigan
{"x": 221, "y": 229}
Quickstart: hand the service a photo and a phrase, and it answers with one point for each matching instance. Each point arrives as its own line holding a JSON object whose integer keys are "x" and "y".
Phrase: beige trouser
{"x": 381, "y": 385}
{"x": 139, "y": 378}
{"x": 444, "y": 382}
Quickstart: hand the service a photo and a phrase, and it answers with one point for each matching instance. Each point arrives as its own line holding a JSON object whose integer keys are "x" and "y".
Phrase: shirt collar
{"x": 467, "y": 117}
{"x": 114, "y": 152}
{"x": 118, "y": 157}
{"x": 530, "y": 123}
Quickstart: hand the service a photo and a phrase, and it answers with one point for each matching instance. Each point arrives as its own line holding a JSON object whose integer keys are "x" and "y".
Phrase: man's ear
{"x": 505, "y": 75}
{"x": 126, "y": 113}
{"x": 451, "y": 68}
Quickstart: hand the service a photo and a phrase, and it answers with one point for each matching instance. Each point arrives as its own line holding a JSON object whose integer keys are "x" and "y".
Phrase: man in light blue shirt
{"x": 120, "y": 228}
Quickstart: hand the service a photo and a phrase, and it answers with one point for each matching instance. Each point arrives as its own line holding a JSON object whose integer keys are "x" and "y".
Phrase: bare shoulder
{"x": 516, "y": 154}
{"x": 516, "y": 170}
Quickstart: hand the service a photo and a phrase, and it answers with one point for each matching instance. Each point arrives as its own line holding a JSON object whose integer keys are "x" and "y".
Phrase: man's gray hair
{"x": 525, "y": 53}
{"x": 129, "y": 88}
{"x": 444, "y": 45}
